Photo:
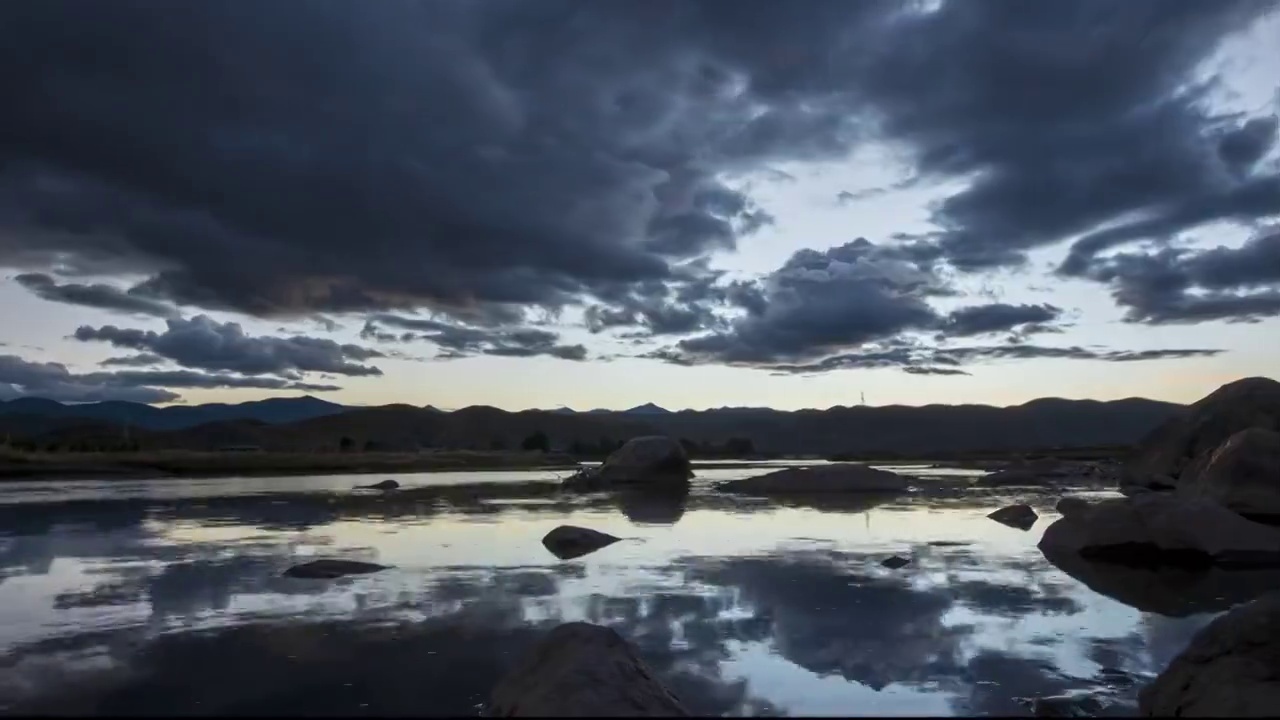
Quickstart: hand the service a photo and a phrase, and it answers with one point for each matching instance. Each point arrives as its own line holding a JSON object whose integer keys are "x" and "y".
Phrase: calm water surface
{"x": 162, "y": 597}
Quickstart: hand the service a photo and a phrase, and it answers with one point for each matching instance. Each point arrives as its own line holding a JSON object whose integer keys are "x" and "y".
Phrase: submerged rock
{"x": 1018, "y": 516}
{"x": 569, "y": 541}
{"x": 833, "y": 478}
{"x": 1243, "y": 474}
{"x": 1163, "y": 527}
{"x": 384, "y": 485}
{"x": 1230, "y": 669}
{"x": 330, "y": 569}
{"x": 895, "y": 562}
{"x": 582, "y": 670}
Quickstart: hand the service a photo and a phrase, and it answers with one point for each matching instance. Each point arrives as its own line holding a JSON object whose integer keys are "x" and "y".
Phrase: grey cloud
{"x": 945, "y": 361}
{"x": 206, "y": 344}
{"x": 998, "y": 317}
{"x": 479, "y": 158}
{"x": 21, "y": 378}
{"x": 1242, "y": 147}
{"x": 138, "y": 360}
{"x": 97, "y": 295}
{"x": 1186, "y": 286}
{"x": 457, "y": 341}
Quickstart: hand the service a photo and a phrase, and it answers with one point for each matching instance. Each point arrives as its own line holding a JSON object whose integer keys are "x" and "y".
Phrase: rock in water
{"x": 1204, "y": 426}
{"x": 568, "y": 541}
{"x": 1230, "y": 669}
{"x": 1073, "y": 506}
{"x": 652, "y": 460}
{"x": 384, "y": 485}
{"x": 836, "y": 477}
{"x": 330, "y": 569}
{"x": 1163, "y": 527}
{"x": 582, "y": 670}
{"x": 1243, "y": 474}
{"x": 1017, "y": 516}
{"x": 895, "y": 562}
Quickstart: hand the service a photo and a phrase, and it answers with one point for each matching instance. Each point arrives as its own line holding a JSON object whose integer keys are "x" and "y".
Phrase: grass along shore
{"x": 16, "y": 465}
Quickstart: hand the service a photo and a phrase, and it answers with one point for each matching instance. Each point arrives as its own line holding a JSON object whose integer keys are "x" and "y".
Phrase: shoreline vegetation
{"x": 36, "y": 465}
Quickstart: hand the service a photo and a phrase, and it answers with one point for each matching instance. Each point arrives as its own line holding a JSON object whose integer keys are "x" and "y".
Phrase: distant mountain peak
{"x": 647, "y": 409}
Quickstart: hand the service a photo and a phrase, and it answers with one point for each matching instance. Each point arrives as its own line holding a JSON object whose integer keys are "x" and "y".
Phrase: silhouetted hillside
{"x": 307, "y": 424}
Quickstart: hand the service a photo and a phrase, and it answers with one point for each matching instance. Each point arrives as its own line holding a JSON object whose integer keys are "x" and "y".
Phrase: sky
{"x": 596, "y": 205}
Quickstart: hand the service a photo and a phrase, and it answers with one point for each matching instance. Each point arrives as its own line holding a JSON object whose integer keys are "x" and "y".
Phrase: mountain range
{"x": 311, "y": 424}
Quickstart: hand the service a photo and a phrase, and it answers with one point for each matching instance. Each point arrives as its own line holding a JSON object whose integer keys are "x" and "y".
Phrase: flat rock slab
{"x": 1018, "y": 516}
{"x": 1230, "y": 669}
{"x": 582, "y": 670}
{"x": 833, "y": 478}
{"x": 330, "y": 569}
{"x": 569, "y": 541}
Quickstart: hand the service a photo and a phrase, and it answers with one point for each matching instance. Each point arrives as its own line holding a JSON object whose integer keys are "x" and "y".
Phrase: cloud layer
{"x": 488, "y": 162}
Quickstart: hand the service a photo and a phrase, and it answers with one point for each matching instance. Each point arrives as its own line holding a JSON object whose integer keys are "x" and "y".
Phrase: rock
{"x": 836, "y": 477}
{"x": 384, "y": 485}
{"x": 653, "y": 460}
{"x": 1242, "y": 474}
{"x": 1072, "y": 506}
{"x": 894, "y": 562}
{"x": 585, "y": 479}
{"x": 1163, "y": 527}
{"x": 582, "y": 670}
{"x": 1204, "y": 426}
{"x": 568, "y": 541}
{"x": 1230, "y": 669}
{"x": 330, "y": 569}
{"x": 1044, "y": 471}
{"x": 1017, "y": 516}
{"x": 1165, "y": 590}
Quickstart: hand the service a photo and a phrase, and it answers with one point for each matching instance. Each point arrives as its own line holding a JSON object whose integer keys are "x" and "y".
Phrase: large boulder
{"x": 1163, "y": 528}
{"x": 1230, "y": 669}
{"x": 1203, "y": 427}
{"x": 651, "y": 460}
{"x": 1242, "y": 474}
{"x": 833, "y": 478}
{"x": 582, "y": 670}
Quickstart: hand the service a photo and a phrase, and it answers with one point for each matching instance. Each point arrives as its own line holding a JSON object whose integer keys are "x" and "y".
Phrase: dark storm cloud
{"x": 1178, "y": 285}
{"x": 476, "y": 159}
{"x": 1067, "y": 116}
{"x": 95, "y": 295}
{"x": 997, "y": 317}
{"x": 20, "y": 378}
{"x": 205, "y": 344}
{"x": 456, "y": 341}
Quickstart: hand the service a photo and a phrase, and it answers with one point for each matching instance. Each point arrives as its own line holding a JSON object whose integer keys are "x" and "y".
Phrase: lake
{"x": 166, "y": 596}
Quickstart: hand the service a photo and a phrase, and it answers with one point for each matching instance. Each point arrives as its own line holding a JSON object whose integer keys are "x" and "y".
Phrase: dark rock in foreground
{"x": 1202, "y": 428}
{"x": 568, "y": 541}
{"x": 1018, "y": 516}
{"x": 330, "y": 569}
{"x": 1243, "y": 474}
{"x": 1230, "y": 669}
{"x": 582, "y": 670}
{"x": 833, "y": 478}
{"x": 1061, "y": 706}
{"x": 384, "y": 485}
{"x": 1162, "y": 528}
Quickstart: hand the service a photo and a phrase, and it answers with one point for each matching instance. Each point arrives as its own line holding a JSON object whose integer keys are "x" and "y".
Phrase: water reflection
{"x": 744, "y": 606}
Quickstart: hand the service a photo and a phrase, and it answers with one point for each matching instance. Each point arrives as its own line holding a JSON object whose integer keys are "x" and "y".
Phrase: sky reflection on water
{"x": 164, "y": 602}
